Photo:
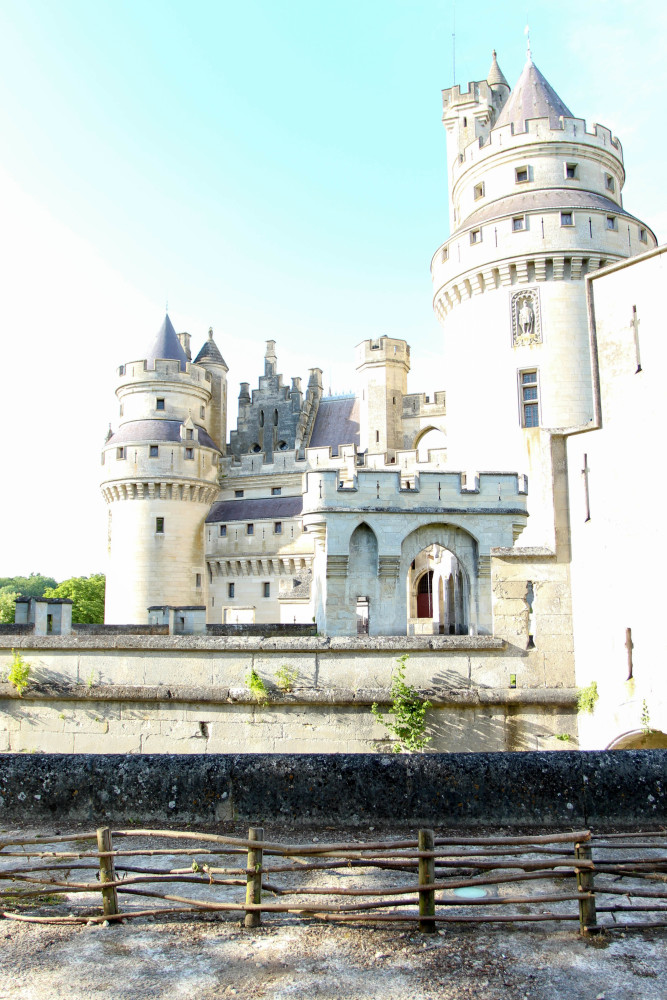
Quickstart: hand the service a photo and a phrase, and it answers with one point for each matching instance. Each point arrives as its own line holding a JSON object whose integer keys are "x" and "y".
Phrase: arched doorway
{"x": 438, "y": 593}
{"x": 640, "y": 740}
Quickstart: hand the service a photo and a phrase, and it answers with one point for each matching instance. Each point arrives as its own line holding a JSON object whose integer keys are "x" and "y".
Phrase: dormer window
{"x": 571, "y": 171}
{"x": 189, "y": 434}
{"x": 478, "y": 191}
{"x": 521, "y": 175}
{"x": 609, "y": 182}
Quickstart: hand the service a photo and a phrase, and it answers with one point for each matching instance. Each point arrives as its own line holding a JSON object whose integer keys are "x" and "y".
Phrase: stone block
{"x": 41, "y": 741}
{"x": 85, "y": 720}
{"x": 90, "y": 743}
{"x": 157, "y": 743}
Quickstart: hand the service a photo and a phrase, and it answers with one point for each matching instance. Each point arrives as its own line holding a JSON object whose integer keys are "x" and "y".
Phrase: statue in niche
{"x": 526, "y": 318}
{"x": 525, "y": 315}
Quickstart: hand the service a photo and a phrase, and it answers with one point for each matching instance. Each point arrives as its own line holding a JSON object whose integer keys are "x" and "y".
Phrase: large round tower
{"x": 160, "y": 478}
{"x": 535, "y": 206}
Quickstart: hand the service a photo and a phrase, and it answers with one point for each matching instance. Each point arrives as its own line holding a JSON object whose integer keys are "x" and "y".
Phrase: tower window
{"x": 277, "y": 527}
{"x": 444, "y": 255}
{"x": 612, "y": 222}
{"x": 518, "y": 223}
{"x": 189, "y": 453}
{"x": 238, "y": 494}
{"x": 521, "y": 175}
{"x": 478, "y": 191}
{"x": 476, "y": 236}
{"x": 202, "y": 412}
{"x": 571, "y": 171}
{"x": 609, "y": 182}
{"x": 230, "y": 590}
{"x": 250, "y": 529}
{"x": 566, "y": 219}
{"x": 159, "y": 404}
{"x": 121, "y": 409}
{"x": 120, "y": 453}
{"x": 153, "y": 451}
{"x": 223, "y": 530}
{"x": 276, "y": 491}
{"x": 530, "y": 407}
{"x": 643, "y": 236}
{"x": 198, "y": 580}
{"x": 189, "y": 434}
{"x": 266, "y": 589}
{"x": 377, "y": 437}
{"x": 159, "y": 526}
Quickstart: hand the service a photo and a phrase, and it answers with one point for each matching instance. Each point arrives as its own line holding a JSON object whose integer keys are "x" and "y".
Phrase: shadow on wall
{"x": 501, "y": 727}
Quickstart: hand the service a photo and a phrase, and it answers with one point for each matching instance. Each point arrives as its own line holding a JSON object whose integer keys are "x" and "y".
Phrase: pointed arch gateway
{"x": 439, "y": 569}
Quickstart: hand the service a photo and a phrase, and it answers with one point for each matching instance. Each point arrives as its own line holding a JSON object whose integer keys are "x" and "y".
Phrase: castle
{"x": 502, "y": 530}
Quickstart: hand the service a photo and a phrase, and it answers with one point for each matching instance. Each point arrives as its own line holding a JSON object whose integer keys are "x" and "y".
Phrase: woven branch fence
{"x": 427, "y": 880}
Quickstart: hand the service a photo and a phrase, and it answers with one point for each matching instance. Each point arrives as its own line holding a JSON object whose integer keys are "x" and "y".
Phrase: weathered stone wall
{"x": 570, "y": 790}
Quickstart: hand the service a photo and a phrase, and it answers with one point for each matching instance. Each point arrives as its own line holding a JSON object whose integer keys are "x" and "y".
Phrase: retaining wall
{"x": 624, "y": 788}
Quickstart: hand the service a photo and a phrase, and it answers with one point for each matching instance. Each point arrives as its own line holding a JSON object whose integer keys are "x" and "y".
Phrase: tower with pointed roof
{"x": 160, "y": 475}
{"x": 535, "y": 205}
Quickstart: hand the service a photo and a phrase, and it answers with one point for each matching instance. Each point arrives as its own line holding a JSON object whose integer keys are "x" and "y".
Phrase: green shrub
{"x": 256, "y": 685}
{"x": 587, "y": 697}
{"x": 19, "y": 672}
{"x": 286, "y": 677}
{"x": 408, "y": 708}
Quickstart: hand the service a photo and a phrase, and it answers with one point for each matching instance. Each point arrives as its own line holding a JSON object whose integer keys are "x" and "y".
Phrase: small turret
{"x": 383, "y": 367}
{"x": 212, "y": 360}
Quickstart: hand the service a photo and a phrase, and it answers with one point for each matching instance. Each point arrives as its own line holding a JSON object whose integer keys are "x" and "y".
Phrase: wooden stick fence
{"x": 441, "y": 865}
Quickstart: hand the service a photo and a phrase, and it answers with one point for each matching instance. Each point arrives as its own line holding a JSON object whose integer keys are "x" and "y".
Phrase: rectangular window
{"x": 518, "y": 223}
{"x": 566, "y": 219}
{"x": 571, "y": 171}
{"x": 159, "y": 404}
{"x": 643, "y": 236}
{"x": 521, "y": 175}
{"x": 121, "y": 409}
{"x": 120, "y": 453}
{"x": 277, "y": 527}
{"x": 189, "y": 434}
{"x": 266, "y": 589}
{"x": 153, "y": 451}
{"x": 202, "y": 412}
{"x": 609, "y": 182}
{"x": 530, "y": 410}
{"x": 250, "y": 529}
{"x": 230, "y": 590}
{"x": 611, "y": 222}
{"x": 198, "y": 580}
{"x": 223, "y": 530}
{"x": 444, "y": 255}
{"x": 476, "y": 236}
{"x": 478, "y": 191}
{"x": 238, "y": 494}
{"x": 190, "y": 453}
{"x": 159, "y": 526}
{"x": 276, "y": 491}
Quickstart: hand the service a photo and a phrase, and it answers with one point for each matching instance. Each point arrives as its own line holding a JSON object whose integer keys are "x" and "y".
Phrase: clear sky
{"x": 273, "y": 169}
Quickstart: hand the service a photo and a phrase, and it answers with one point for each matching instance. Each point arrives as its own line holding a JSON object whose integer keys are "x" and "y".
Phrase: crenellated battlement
{"x": 139, "y": 371}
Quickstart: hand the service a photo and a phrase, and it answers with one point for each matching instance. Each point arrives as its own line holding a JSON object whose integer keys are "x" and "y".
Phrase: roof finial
{"x": 210, "y": 333}
{"x": 526, "y": 32}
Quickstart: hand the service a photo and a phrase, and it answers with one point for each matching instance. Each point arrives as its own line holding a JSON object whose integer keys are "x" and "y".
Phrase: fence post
{"x": 426, "y": 841}
{"x": 585, "y": 883}
{"x": 253, "y": 891}
{"x": 107, "y": 872}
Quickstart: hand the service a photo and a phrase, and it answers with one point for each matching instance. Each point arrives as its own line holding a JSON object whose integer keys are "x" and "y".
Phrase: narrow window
{"x": 377, "y": 437}
{"x": 238, "y": 494}
{"x": 530, "y": 410}
{"x": 121, "y": 409}
{"x": 230, "y": 590}
{"x": 611, "y": 222}
{"x": 202, "y": 412}
{"x": 518, "y": 223}
{"x": 276, "y": 491}
{"x": 571, "y": 171}
{"x": 261, "y": 418}
{"x": 197, "y": 580}
{"x": 266, "y": 589}
{"x": 250, "y": 529}
{"x": 476, "y": 236}
{"x": 521, "y": 175}
{"x": 465, "y": 122}
{"x": 609, "y": 182}
{"x": 189, "y": 453}
{"x": 159, "y": 404}
{"x": 153, "y": 452}
{"x": 120, "y": 453}
{"x": 444, "y": 255}
{"x": 223, "y": 530}
{"x": 159, "y": 526}
{"x": 189, "y": 434}
{"x": 478, "y": 191}
{"x": 566, "y": 219}
{"x": 277, "y": 527}
{"x": 643, "y": 236}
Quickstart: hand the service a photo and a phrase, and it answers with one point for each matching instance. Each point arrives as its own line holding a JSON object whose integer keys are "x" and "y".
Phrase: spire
{"x": 532, "y": 97}
{"x": 210, "y": 352}
{"x": 496, "y": 77}
{"x": 166, "y": 345}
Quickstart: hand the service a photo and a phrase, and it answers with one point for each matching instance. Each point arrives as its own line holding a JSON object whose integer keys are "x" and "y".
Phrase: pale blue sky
{"x": 273, "y": 169}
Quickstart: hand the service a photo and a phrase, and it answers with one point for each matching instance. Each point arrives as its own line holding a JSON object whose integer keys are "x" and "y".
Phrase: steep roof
{"x": 153, "y": 431}
{"x": 532, "y": 97}
{"x": 166, "y": 345}
{"x": 336, "y": 423}
{"x": 496, "y": 76}
{"x": 545, "y": 199}
{"x": 210, "y": 351}
{"x": 258, "y": 509}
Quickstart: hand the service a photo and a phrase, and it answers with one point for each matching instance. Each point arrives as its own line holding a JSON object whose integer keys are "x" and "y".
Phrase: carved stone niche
{"x": 526, "y": 318}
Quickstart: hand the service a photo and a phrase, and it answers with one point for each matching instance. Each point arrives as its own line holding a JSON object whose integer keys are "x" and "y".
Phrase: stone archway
{"x": 640, "y": 740}
{"x": 439, "y": 570}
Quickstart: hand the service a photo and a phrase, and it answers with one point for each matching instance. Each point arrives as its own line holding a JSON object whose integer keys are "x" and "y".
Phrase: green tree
{"x": 87, "y": 595}
{"x": 27, "y": 586}
{"x": 7, "y": 598}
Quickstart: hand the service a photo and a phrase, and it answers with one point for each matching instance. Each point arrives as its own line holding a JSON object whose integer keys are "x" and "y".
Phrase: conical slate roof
{"x": 166, "y": 345}
{"x": 210, "y": 351}
{"x": 532, "y": 97}
{"x": 496, "y": 75}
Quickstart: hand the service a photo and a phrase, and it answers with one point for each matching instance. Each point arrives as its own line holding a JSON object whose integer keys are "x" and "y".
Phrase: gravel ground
{"x": 289, "y": 957}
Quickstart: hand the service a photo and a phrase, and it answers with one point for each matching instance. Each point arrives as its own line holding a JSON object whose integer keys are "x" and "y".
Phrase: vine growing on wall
{"x": 407, "y": 722}
{"x": 587, "y": 697}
